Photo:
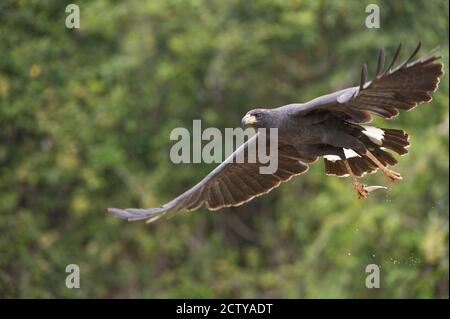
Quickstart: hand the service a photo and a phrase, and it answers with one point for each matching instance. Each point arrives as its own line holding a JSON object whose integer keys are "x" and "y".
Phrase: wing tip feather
{"x": 134, "y": 214}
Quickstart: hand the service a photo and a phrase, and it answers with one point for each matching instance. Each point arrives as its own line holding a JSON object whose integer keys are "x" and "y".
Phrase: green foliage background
{"x": 85, "y": 117}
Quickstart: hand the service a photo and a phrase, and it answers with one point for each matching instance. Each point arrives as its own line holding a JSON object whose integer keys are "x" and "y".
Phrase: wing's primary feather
{"x": 229, "y": 184}
{"x": 402, "y": 88}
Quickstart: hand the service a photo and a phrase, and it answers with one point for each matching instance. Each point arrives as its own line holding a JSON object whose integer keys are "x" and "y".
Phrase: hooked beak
{"x": 248, "y": 120}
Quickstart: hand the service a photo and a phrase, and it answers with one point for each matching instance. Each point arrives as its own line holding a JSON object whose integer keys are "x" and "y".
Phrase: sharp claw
{"x": 364, "y": 190}
{"x": 374, "y": 188}
{"x": 393, "y": 176}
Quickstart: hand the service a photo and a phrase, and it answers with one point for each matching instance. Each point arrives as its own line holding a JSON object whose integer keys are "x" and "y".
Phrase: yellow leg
{"x": 361, "y": 189}
{"x": 393, "y": 176}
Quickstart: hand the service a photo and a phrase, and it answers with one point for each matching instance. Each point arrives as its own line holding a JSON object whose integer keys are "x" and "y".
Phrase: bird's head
{"x": 258, "y": 118}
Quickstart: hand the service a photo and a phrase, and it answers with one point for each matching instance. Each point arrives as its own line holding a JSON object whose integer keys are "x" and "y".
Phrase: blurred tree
{"x": 85, "y": 117}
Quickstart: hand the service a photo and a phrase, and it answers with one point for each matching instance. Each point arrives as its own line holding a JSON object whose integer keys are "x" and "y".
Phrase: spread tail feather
{"x": 379, "y": 141}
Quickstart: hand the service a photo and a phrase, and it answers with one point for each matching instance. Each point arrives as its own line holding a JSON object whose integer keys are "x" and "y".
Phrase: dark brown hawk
{"x": 330, "y": 126}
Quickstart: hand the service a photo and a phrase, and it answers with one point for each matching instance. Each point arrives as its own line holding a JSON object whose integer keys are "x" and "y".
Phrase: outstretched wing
{"x": 402, "y": 88}
{"x": 232, "y": 183}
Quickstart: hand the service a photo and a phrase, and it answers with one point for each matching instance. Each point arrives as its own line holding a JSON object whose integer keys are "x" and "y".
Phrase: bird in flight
{"x": 331, "y": 126}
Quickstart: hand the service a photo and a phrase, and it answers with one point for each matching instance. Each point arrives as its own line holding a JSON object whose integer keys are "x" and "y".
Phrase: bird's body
{"x": 332, "y": 126}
